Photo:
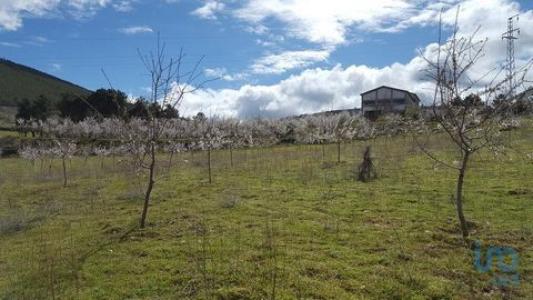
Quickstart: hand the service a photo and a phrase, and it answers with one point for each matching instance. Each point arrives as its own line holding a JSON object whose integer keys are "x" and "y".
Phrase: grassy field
{"x": 7, "y": 116}
{"x": 286, "y": 222}
{"x": 4, "y": 133}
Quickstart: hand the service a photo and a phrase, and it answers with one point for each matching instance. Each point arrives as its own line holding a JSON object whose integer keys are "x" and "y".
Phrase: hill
{"x": 18, "y": 82}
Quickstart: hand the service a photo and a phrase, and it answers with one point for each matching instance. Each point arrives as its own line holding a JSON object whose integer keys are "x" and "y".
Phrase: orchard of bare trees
{"x": 471, "y": 117}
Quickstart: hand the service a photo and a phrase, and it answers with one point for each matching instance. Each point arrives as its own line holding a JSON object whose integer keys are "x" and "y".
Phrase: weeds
{"x": 259, "y": 231}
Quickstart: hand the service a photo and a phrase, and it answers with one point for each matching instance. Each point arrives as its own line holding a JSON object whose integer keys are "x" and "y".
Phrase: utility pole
{"x": 509, "y": 35}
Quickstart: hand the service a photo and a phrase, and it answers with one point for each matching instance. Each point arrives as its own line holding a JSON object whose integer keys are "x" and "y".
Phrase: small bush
{"x": 14, "y": 221}
{"x": 366, "y": 170}
{"x": 8, "y": 146}
{"x": 230, "y": 201}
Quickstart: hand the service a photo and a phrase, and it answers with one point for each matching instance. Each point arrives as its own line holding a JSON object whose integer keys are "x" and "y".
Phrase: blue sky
{"x": 274, "y": 57}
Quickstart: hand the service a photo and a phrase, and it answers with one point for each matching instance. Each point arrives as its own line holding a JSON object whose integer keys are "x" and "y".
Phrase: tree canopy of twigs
{"x": 169, "y": 85}
{"x": 463, "y": 105}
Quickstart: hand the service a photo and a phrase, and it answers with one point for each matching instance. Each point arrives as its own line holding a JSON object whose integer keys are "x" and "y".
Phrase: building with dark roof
{"x": 385, "y": 99}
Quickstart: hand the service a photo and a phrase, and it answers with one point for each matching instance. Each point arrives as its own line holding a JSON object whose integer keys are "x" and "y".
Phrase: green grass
{"x": 18, "y": 82}
{"x": 4, "y": 133}
{"x": 7, "y": 116}
{"x": 285, "y": 221}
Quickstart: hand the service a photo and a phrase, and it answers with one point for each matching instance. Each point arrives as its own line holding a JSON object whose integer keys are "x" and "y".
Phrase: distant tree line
{"x": 103, "y": 103}
{"x": 519, "y": 105}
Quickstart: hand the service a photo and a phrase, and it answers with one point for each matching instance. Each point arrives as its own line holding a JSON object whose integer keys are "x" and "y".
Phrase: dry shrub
{"x": 229, "y": 201}
{"x": 15, "y": 221}
{"x": 366, "y": 170}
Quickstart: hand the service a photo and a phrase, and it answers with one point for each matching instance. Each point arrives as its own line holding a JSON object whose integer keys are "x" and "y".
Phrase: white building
{"x": 386, "y": 99}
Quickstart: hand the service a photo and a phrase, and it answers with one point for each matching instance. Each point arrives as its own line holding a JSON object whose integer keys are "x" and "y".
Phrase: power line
{"x": 509, "y": 35}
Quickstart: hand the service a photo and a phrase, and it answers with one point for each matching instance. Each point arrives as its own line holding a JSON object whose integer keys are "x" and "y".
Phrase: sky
{"x": 271, "y": 58}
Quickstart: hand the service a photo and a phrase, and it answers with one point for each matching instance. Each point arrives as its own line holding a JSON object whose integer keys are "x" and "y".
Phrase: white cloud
{"x": 83, "y": 9}
{"x": 491, "y": 25}
{"x": 222, "y": 73}
{"x": 88, "y": 4}
{"x": 38, "y": 41}
{"x": 10, "y": 45}
{"x": 328, "y": 22}
{"x": 273, "y": 64}
{"x": 319, "y": 89}
{"x": 312, "y": 90}
{"x": 325, "y": 23}
{"x": 288, "y": 60}
{"x": 56, "y": 67}
{"x": 264, "y": 43}
{"x": 136, "y": 30}
{"x": 124, "y": 5}
{"x": 209, "y": 10}
{"x": 12, "y": 12}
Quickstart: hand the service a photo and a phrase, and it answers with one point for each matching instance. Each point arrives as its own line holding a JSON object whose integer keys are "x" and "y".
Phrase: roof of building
{"x": 415, "y": 96}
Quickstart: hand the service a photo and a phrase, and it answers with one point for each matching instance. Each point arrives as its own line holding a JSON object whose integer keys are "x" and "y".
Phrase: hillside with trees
{"x": 18, "y": 82}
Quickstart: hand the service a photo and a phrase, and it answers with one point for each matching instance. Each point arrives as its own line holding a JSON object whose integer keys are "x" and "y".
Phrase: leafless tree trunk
{"x": 50, "y": 167}
{"x": 64, "y": 163}
{"x": 170, "y": 160}
{"x": 209, "y": 164}
{"x": 231, "y": 155}
{"x": 338, "y": 151}
{"x": 151, "y": 182}
{"x": 459, "y": 195}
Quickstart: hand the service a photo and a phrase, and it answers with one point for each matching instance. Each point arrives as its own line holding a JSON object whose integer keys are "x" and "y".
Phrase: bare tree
{"x": 64, "y": 149}
{"x": 169, "y": 85}
{"x": 464, "y": 107}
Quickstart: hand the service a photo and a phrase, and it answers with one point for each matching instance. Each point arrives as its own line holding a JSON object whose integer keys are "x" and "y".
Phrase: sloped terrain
{"x": 19, "y": 82}
{"x": 285, "y": 222}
